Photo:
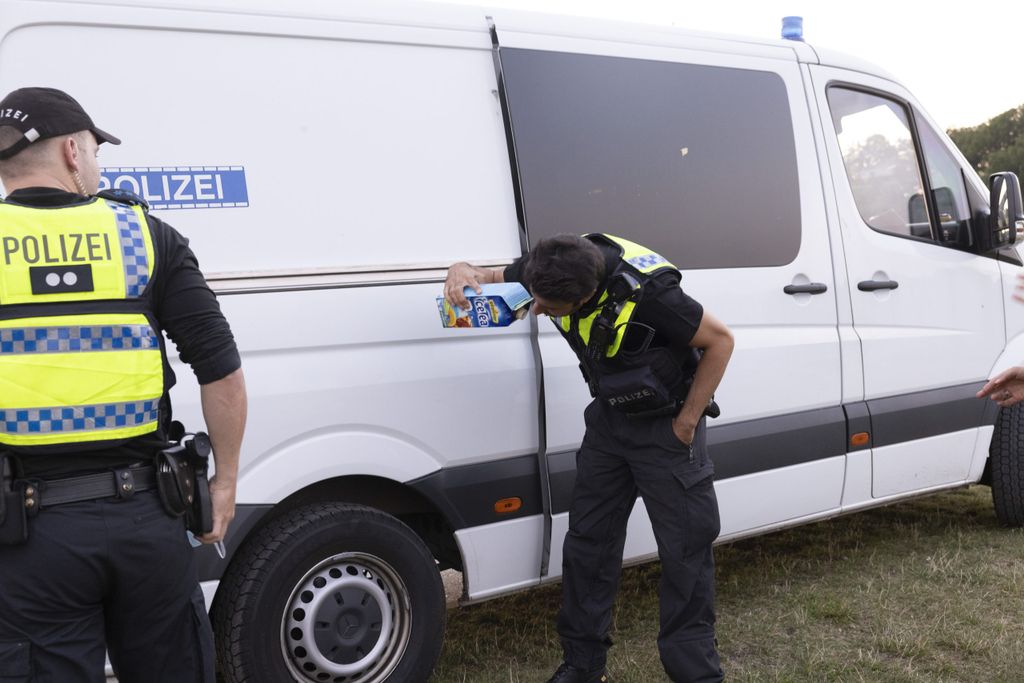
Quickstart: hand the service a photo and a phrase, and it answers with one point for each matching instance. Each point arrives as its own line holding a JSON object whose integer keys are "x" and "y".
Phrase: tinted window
{"x": 695, "y": 162}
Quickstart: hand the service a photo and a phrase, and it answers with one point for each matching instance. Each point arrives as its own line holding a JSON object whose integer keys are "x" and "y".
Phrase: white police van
{"x": 328, "y": 161}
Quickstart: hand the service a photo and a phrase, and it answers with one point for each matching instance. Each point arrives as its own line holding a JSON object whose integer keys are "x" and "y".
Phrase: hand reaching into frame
{"x": 1006, "y": 388}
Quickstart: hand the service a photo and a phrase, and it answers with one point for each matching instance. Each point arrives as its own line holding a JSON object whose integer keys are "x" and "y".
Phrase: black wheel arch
{"x": 399, "y": 500}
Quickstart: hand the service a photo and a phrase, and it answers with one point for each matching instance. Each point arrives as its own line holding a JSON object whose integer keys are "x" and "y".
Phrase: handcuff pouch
{"x": 183, "y": 484}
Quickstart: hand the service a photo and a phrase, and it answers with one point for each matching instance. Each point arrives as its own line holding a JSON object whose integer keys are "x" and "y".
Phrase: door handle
{"x": 809, "y": 288}
{"x": 875, "y": 285}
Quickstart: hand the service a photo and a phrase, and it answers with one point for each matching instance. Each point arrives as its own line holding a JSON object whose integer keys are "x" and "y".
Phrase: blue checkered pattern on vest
{"x": 646, "y": 261}
{"x": 78, "y": 418}
{"x": 133, "y": 247}
{"x": 77, "y": 338}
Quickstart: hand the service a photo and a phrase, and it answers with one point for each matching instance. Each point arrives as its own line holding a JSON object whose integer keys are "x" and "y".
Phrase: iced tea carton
{"x": 499, "y": 305}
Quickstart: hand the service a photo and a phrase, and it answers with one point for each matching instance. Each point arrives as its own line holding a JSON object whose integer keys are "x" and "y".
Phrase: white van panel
{"x": 779, "y": 495}
{"x": 501, "y": 557}
{"x": 847, "y": 62}
{"x": 943, "y": 324}
{"x": 947, "y": 300}
{"x": 405, "y": 152}
{"x": 857, "y": 486}
{"x": 923, "y": 463}
{"x": 640, "y": 541}
{"x": 1014, "y": 350}
{"x": 331, "y": 388}
{"x": 1010, "y": 357}
{"x": 798, "y": 384}
{"x": 981, "y": 448}
{"x": 565, "y": 390}
{"x": 980, "y": 459}
{"x": 945, "y": 304}
{"x": 852, "y": 368}
{"x": 209, "y": 589}
{"x": 559, "y": 528}
{"x": 347, "y": 450}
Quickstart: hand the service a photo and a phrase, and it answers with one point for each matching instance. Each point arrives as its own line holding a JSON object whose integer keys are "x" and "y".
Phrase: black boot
{"x": 568, "y": 673}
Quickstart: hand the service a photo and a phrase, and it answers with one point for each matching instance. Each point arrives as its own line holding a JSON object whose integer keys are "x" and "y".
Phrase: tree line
{"x": 996, "y": 145}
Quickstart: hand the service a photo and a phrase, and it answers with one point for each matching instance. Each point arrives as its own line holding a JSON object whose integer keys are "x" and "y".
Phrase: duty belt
{"x": 119, "y": 483}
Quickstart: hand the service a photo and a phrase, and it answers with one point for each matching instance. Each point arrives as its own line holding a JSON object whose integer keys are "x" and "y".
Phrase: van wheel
{"x": 331, "y": 592}
{"x": 1006, "y": 462}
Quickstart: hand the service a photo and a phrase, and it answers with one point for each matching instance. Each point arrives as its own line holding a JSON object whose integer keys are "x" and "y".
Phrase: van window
{"x": 947, "y": 183}
{"x": 881, "y": 162}
{"x": 695, "y": 162}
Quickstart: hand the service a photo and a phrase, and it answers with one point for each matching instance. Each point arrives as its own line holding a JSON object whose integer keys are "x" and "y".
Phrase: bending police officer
{"x": 652, "y": 357}
{"x": 87, "y": 288}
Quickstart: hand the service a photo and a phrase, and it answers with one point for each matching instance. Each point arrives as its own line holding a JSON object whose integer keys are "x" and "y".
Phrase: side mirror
{"x": 1006, "y": 212}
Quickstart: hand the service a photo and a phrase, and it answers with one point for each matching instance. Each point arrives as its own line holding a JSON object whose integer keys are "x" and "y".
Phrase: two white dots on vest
{"x": 54, "y": 279}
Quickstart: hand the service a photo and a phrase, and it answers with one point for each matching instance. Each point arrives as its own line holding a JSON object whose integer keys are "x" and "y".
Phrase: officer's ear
{"x": 73, "y": 153}
{"x": 579, "y": 304}
{"x": 70, "y": 151}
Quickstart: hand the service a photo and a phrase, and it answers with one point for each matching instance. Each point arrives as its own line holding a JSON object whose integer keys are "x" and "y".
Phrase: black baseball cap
{"x": 41, "y": 113}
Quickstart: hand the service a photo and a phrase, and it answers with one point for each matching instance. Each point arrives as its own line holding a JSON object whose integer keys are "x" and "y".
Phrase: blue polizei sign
{"x": 182, "y": 187}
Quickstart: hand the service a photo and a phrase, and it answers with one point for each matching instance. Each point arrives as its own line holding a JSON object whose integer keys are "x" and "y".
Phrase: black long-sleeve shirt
{"x": 184, "y": 307}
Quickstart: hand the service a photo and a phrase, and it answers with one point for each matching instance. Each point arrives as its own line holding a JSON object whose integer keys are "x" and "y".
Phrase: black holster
{"x": 13, "y": 518}
{"x": 183, "y": 484}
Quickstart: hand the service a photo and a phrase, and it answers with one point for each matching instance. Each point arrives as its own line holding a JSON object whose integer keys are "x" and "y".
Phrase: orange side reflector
{"x": 507, "y": 505}
{"x": 860, "y": 439}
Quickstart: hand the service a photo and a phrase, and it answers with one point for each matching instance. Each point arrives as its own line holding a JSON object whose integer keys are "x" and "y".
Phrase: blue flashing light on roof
{"x": 793, "y": 28}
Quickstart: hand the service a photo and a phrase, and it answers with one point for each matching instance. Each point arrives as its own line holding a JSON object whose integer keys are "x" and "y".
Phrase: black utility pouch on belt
{"x": 635, "y": 391}
{"x": 13, "y": 521}
{"x": 181, "y": 480}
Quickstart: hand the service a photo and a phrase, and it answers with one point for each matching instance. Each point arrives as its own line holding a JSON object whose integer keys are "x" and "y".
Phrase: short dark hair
{"x": 564, "y": 268}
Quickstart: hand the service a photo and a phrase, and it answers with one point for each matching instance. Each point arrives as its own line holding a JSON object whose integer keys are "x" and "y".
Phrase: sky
{"x": 964, "y": 66}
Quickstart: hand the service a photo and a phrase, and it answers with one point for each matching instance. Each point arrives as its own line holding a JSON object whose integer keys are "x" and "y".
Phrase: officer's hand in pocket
{"x": 683, "y": 432}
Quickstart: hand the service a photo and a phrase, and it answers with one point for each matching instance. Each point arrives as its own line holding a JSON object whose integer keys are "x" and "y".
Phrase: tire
{"x": 330, "y": 592}
{"x": 1006, "y": 462}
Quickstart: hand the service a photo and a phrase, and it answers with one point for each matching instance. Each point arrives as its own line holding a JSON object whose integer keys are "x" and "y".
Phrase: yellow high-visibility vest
{"x": 81, "y": 357}
{"x": 642, "y": 260}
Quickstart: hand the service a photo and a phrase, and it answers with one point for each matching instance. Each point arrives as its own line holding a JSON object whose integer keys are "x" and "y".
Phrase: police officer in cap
{"x": 652, "y": 357}
{"x": 88, "y": 286}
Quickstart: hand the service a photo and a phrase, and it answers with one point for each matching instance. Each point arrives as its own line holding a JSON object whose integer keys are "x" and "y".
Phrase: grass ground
{"x": 926, "y": 591}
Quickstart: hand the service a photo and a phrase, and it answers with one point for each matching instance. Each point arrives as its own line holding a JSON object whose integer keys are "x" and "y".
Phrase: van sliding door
{"x": 705, "y": 158}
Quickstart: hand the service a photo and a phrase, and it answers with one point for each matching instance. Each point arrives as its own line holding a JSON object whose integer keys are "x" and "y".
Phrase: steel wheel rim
{"x": 348, "y": 620}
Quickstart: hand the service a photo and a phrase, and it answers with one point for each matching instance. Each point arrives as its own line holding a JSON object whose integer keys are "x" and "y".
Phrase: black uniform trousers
{"x": 103, "y": 574}
{"x": 619, "y": 458}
